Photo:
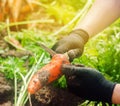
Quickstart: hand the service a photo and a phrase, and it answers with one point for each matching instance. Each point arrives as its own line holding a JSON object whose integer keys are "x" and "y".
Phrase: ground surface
{"x": 6, "y": 92}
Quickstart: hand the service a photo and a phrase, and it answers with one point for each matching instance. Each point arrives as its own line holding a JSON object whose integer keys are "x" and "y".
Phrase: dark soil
{"x": 52, "y": 96}
{"x": 6, "y": 92}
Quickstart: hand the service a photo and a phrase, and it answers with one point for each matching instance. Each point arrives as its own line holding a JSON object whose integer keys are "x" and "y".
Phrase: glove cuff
{"x": 82, "y": 34}
{"x": 107, "y": 91}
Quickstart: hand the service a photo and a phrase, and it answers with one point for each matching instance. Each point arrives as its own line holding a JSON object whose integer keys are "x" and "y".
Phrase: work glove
{"x": 88, "y": 83}
{"x": 73, "y": 44}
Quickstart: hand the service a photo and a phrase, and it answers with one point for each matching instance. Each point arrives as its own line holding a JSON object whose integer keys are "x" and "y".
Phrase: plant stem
{"x": 8, "y": 28}
{"x": 15, "y": 87}
{"x": 28, "y": 22}
{"x": 22, "y": 98}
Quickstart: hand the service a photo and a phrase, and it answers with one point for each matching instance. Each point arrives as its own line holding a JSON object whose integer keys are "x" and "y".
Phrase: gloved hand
{"x": 88, "y": 83}
{"x": 73, "y": 44}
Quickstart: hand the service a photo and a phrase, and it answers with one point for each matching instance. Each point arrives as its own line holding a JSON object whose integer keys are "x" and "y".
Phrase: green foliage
{"x": 62, "y": 11}
{"x": 62, "y": 14}
{"x": 28, "y": 40}
{"x": 77, "y": 4}
{"x": 103, "y": 53}
{"x": 20, "y": 70}
{"x": 11, "y": 64}
{"x": 61, "y": 82}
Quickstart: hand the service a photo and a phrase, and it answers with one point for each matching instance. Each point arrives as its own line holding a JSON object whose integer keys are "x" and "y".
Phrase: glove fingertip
{"x": 67, "y": 69}
{"x": 74, "y": 53}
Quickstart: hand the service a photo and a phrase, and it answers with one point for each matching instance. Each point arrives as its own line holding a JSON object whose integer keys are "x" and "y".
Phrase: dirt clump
{"x": 6, "y": 92}
{"x": 54, "y": 96}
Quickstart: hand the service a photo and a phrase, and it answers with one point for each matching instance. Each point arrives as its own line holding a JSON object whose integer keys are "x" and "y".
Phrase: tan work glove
{"x": 73, "y": 44}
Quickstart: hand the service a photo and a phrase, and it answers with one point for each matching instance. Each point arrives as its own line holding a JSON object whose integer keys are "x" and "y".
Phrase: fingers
{"x": 72, "y": 70}
{"x": 80, "y": 71}
{"x": 74, "y": 53}
{"x": 73, "y": 45}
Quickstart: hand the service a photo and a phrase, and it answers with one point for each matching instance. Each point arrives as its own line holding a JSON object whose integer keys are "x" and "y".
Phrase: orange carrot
{"x": 48, "y": 73}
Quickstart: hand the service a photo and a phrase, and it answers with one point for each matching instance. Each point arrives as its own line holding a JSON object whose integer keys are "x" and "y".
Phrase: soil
{"x": 52, "y": 96}
{"x": 6, "y": 91}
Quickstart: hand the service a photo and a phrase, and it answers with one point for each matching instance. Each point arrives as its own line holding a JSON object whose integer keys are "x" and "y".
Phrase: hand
{"x": 73, "y": 44}
{"x": 88, "y": 83}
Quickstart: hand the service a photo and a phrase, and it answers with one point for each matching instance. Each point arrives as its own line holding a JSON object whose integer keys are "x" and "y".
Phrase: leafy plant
{"x": 22, "y": 98}
{"x": 20, "y": 70}
{"x": 103, "y": 53}
{"x": 10, "y": 64}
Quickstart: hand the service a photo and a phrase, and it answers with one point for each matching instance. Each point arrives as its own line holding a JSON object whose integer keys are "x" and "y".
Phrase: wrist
{"x": 116, "y": 94}
{"x": 106, "y": 90}
{"x": 83, "y": 34}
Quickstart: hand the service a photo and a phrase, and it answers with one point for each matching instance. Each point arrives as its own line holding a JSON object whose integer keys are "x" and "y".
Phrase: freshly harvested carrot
{"x": 48, "y": 73}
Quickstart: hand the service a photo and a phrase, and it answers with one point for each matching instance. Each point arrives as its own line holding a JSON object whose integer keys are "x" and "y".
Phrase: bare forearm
{"x": 101, "y": 15}
{"x": 116, "y": 94}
